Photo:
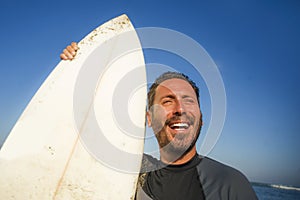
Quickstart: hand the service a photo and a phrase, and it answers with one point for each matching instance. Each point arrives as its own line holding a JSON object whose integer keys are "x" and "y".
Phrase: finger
{"x": 75, "y": 46}
{"x": 68, "y": 54}
{"x": 63, "y": 56}
{"x": 71, "y": 50}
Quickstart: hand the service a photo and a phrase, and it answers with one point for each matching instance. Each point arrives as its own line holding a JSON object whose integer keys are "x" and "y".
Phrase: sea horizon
{"x": 276, "y": 185}
{"x": 267, "y": 191}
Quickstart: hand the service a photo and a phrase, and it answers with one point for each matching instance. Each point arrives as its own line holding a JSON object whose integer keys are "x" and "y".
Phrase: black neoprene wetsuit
{"x": 200, "y": 178}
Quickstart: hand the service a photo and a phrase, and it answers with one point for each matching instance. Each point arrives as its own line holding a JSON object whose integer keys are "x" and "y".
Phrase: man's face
{"x": 175, "y": 116}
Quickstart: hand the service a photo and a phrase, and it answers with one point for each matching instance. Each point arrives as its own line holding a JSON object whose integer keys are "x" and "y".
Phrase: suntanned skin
{"x": 174, "y": 98}
{"x": 69, "y": 52}
{"x": 176, "y": 101}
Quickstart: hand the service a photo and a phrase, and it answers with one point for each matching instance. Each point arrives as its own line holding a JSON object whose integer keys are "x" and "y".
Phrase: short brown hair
{"x": 166, "y": 76}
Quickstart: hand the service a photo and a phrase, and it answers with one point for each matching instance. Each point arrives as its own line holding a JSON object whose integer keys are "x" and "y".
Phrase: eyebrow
{"x": 187, "y": 96}
{"x": 170, "y": 96}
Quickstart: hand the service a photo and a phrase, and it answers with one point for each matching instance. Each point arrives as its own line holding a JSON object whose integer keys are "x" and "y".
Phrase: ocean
{"x": 276, "y": 192}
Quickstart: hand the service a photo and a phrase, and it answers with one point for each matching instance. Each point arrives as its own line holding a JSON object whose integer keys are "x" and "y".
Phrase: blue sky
{"x": 255, "y": 45}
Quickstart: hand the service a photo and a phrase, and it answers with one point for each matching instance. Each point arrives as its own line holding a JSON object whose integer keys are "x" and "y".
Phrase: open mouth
{"x": 179, "y": 126}
{"x": 180, "y": 123}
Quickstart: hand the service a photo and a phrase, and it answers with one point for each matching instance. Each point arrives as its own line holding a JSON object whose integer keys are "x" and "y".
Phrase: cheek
{"x": 195, "y": 111}
{"x": 158, "y": 113}
{"x": 158, "y": 117}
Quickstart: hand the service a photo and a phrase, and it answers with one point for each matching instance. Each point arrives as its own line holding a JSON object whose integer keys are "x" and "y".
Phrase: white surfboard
{"x": 81, "y": 136}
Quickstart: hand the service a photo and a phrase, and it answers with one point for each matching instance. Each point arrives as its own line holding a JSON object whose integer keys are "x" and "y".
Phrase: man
{"x": 176, "y": 119}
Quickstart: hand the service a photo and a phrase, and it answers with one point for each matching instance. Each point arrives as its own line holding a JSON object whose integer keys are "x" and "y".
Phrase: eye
{"x": 189, "y": 100}
{"x": 167, "y": 102}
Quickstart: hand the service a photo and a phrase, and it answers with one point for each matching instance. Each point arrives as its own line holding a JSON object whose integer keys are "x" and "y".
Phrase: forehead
{"x": 175, "y": 86}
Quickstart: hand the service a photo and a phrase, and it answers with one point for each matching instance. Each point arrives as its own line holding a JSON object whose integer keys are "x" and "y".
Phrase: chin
{"x": 178, "y": 148}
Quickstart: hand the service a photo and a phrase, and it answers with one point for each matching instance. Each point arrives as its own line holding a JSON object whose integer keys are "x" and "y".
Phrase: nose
{"x": 179, "y": 108}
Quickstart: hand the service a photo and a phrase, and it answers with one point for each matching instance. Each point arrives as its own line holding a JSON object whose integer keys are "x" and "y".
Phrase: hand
{"x": 69, "y": 52}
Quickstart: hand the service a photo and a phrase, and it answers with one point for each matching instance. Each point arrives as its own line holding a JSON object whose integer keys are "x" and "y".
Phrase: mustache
{"x": 183, "y": 117}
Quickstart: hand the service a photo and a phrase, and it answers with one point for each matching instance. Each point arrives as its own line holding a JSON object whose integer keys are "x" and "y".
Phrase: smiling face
{"x": 175, "y": 116}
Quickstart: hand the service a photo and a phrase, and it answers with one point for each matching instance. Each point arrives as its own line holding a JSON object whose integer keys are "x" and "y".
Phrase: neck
{"x": 168, "y": 158}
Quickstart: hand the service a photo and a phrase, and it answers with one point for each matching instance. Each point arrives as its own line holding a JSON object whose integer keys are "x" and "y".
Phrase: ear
{"x": 149, "y": 119}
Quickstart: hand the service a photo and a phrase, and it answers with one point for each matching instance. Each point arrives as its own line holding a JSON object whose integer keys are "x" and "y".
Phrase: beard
{"x": 179, "y": 143}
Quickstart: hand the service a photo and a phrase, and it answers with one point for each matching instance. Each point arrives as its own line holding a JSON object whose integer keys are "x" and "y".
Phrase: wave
{"x": 284, "y": 187}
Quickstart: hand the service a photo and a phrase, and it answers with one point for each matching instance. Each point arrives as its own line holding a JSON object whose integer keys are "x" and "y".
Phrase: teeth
{"x": 179, "y": 126}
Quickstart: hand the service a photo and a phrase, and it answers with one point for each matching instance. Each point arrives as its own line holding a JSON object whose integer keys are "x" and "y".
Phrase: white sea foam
{"x": 285, "y": 187}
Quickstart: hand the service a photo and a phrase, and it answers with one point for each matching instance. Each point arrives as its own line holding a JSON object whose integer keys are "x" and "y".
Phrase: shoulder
{"x": 220, "y": 181}
{"x": 219, "y": 170}
{"x": 149, "y": 164}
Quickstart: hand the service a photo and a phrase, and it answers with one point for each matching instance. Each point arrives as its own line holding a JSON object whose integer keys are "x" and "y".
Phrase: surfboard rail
{"x": 54, "y": 152}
